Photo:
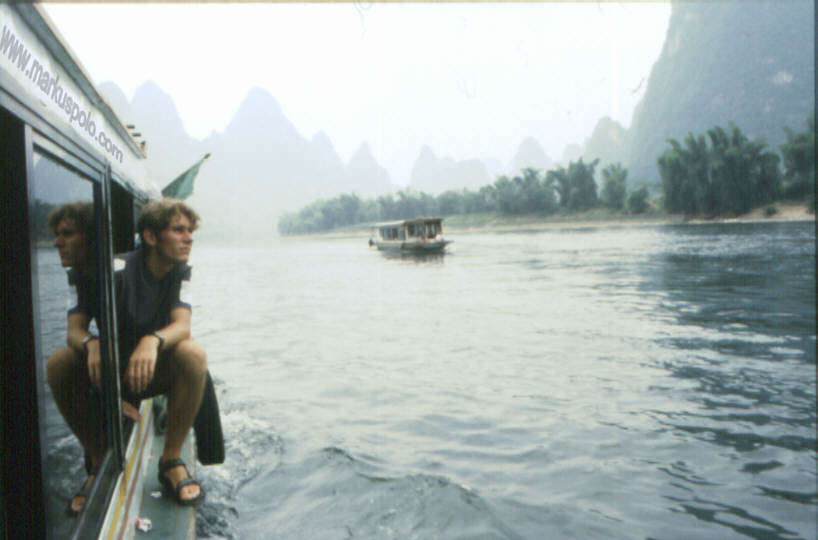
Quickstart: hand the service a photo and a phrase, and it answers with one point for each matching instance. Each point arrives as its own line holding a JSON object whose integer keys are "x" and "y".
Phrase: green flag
{"x": 182, "y": 187}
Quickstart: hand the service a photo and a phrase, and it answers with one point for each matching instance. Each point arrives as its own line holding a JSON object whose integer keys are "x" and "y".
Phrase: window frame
{"x": 115, "y": 443}
{"x": 23, "y": 473}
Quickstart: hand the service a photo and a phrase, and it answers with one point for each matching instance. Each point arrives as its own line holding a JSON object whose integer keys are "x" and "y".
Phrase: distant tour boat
{"x": 420, "y": 235}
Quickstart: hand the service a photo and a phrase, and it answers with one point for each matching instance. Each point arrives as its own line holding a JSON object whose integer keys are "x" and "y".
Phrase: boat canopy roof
{"x": 409, "y": 222}
{"x": 39, "y": 69}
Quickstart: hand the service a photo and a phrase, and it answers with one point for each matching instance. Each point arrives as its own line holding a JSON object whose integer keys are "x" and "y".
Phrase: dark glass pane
{"x": 58, "y": 191}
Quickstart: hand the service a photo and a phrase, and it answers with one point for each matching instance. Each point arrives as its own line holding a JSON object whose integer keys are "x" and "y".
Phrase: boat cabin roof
{"x": 46, "y": 78}
{"x": 413, "y": 221}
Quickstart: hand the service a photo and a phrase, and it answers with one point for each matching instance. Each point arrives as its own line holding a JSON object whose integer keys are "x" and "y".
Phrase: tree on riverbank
{"x": 564, "y": 190}
{"x": 720, "y": 172}
{"x": 614, "y": 186}
{"x": 575, "y": 185}
{"x": 731, "y": 176}
{"x": 526, "y": 194}
{"x": 638, "y": 201}
{"x": 799, "y": 164}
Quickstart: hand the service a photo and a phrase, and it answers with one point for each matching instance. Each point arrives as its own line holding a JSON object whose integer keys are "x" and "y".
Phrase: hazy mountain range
{"x": 746, "y": 62}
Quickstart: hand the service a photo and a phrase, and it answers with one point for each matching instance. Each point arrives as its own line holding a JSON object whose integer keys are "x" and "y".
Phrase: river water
{"x": 633, "y": 382}
{"x": 624, "y": 382}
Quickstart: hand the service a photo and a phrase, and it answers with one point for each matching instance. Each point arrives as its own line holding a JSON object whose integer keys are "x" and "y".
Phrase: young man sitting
{"x": 68, "y": 368}
{"x": 157, "y": 354}
{"x": 153, "y": 319}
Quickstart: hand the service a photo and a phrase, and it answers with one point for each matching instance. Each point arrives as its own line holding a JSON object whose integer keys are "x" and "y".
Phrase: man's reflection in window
{"x": 74, "y": 372}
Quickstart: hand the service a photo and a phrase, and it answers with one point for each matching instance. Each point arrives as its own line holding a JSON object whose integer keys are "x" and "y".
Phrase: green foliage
{"x": 570, "y": 189}
{"x": 614, "y": 186}
{"x": 524, "y": 195}
{"x": 451, "y": 203}
{"x": 743, "y": 175}
{"x": 576, "y": 185}
{"x": 558, "y": 179}
{"x": 638, "y": 201}
{"x": 731, "y": 176}
{"x": 350, "y": 209}
{"x": 325, "y": 215}
{"x": 799, "y": 163}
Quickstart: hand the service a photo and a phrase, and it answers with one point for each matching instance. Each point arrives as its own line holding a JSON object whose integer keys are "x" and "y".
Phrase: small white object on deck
{"x": 144, "y": 524}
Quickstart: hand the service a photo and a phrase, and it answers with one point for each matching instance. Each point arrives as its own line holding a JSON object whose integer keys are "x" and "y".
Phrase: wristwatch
{"x": 85, "y": 341}
{"x": 161, "y": 339}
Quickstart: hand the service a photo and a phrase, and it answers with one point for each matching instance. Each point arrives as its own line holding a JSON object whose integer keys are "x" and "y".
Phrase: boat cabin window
{"x": 72, "y": 279}
{"x": 63, "y": 218}
{"x": 62, "y": 223}
{"x": 390, "y": 233}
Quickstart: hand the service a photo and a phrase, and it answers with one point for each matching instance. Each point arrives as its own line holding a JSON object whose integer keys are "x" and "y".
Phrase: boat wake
{"x": 251, "y": 447}
{"x": 335, "y": 494}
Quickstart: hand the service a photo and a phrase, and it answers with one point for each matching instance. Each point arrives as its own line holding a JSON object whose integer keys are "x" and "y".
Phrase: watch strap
{"x": 161, "y": 339}
{"x": 85, "y": 341}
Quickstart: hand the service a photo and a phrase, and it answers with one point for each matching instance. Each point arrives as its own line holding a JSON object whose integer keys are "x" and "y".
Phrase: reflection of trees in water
{"x": 726, "y": 515}
{"x": 747, "y": 280}
{"x": 744, "y": 299}
{"x": 742, "y": 353}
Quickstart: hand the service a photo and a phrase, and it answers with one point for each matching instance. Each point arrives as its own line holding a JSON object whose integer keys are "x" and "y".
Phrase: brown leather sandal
{"x": 175, "y": 491}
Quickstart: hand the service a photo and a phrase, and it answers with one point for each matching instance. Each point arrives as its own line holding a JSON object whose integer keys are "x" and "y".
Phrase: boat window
{"x": 63, "y": 199}
{"x": 123, "y": 219}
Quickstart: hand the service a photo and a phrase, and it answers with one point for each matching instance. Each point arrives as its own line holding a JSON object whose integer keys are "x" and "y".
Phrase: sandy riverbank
{"x": 595, "y": 218}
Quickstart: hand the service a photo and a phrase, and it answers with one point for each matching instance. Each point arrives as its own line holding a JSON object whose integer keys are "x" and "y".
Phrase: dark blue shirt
{"x": 144, "y": 303}
{"x": 84, "y": 289}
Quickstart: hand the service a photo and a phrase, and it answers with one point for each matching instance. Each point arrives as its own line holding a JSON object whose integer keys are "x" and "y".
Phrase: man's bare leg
{"x": 187, "y": 379}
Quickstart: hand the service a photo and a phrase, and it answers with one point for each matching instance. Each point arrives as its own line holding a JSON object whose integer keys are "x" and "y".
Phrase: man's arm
{"x": 178, "y": 329}
{"x": 142, "y": 362}
{"x": 76, "y": 338}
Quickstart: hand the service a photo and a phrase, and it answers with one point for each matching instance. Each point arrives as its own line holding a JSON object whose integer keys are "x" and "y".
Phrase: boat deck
{"x": 138, "y": 493}
{"x": 169, "y": 520}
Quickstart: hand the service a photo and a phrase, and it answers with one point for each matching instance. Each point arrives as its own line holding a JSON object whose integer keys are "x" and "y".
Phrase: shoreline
{"x": 787, "y": 212}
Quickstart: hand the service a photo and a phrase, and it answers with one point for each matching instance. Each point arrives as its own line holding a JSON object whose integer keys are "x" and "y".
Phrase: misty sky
{"x": 469, "y": 80}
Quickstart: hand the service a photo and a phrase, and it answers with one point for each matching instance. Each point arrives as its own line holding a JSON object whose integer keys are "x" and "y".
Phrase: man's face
{"x": 176, "y": 240}
{"x": 71, "y": 244}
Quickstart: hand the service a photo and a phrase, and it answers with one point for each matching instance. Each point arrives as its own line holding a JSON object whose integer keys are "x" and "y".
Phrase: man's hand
{"x": 142, "y": 363}
{"x": 94, "y": 363}
{"x": 129, "y": 411}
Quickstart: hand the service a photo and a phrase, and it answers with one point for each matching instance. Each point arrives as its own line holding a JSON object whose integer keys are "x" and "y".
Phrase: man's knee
{"x": 191, "y": 357}
{"x": 60, "y": 365}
